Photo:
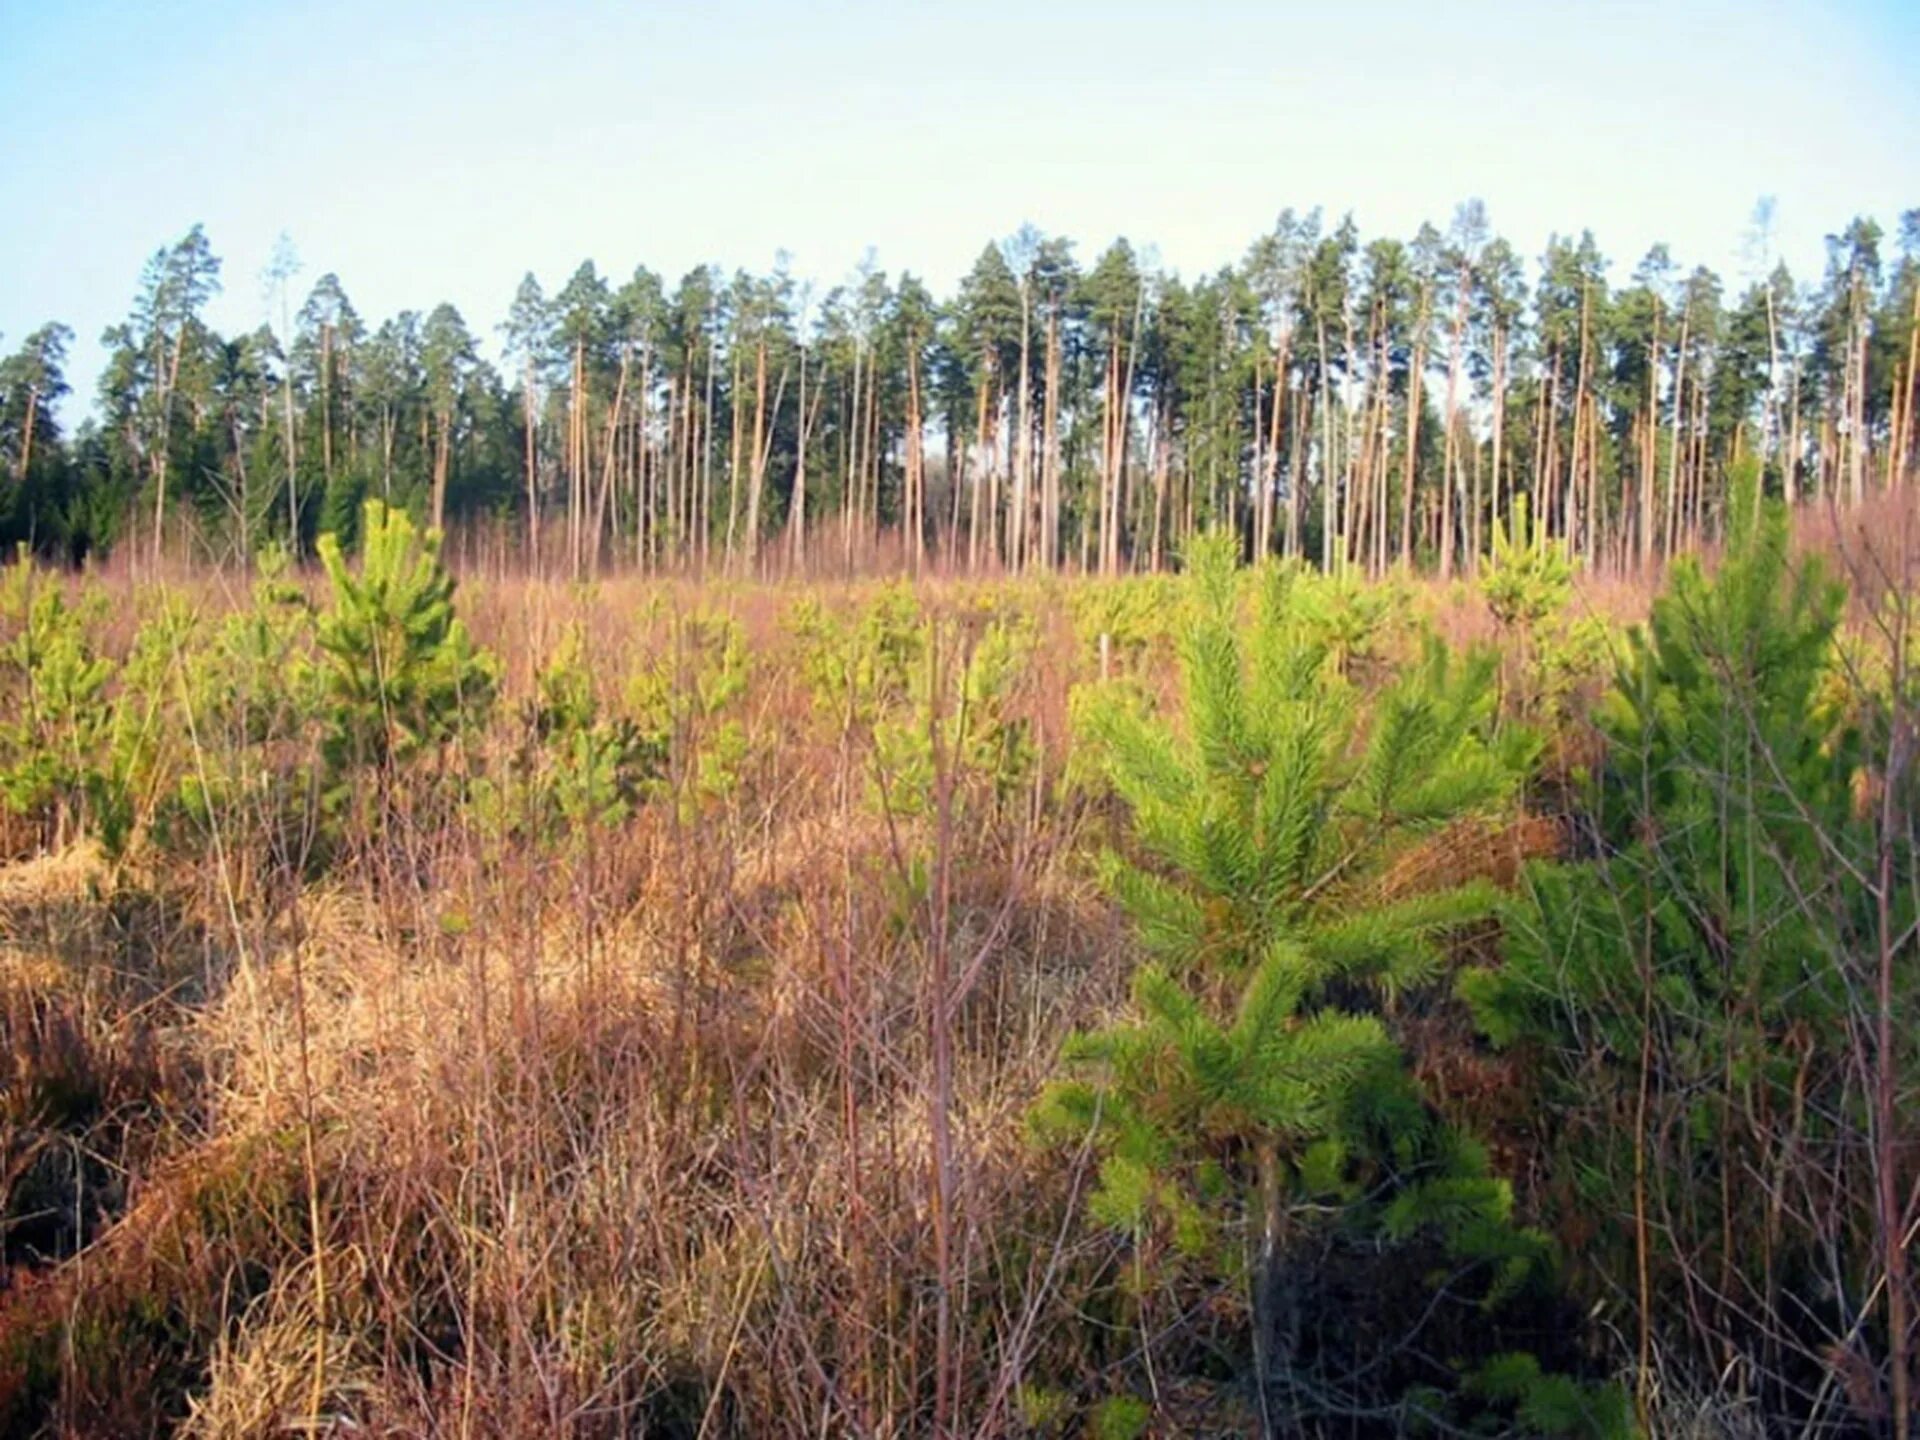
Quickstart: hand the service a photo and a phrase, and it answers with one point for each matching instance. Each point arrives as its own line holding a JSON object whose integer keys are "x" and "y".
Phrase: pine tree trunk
{"x": 706, "y": 463}
{"x": 1415, "y": 370}
{"x": 1296, "y": 468}
{"x": 1326, "y": 452}
{"x": 1274, "y": 1320}
{"x": 852, "y": 456}
{"x": 1909, "y": 393}
{"x": 807, "y": 416}
{"x": 1453, "y": 390}
{"x": 533, "y": 494}
{"x": 1270, "y": 480}
{"x": 1023, "y": 455}
{"x": 979, "y": 454}
{"x": 1857, "y": 402}
{"x": 916, "y": 478}
{"x": 26, "y": 439}
{"x": 1499, "y": 415}
{"x": 1157, "y": 447}
{"x": 1050, "y": 444}
{"x": 442, "y": 462}
{"x": 604, "y": 501}
{"x": 326, "y": 404}
{"x": 762, "y": 445}
{"x": 733, "y": 453}
{"x": 1649, "y": 454}
{"x": 1673, "y": 454}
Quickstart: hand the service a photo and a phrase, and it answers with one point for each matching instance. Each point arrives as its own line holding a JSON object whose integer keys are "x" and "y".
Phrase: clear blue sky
{"x": 438, "y": 151}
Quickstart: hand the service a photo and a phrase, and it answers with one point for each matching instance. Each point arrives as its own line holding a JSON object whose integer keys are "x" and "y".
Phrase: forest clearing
{"x": 824, "y": 725}
{"x": 1244, "y": 1000}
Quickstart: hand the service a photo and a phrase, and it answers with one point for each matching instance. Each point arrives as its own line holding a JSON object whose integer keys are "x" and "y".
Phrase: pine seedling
{"x": 1253, "y": 1091}
{"x": 402, "y": 676}
{"x": 57, "y": 762}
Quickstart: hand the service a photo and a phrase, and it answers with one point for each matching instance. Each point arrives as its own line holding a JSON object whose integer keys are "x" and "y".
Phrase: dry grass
{"x": 629, "y": 1137}
{"x": 619, "y": 1139}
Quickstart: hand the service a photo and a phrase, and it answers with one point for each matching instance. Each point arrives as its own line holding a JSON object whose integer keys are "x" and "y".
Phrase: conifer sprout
{"x": 1253, "y": 1103}
{"x": 1700, "y": 996}
{"x": 402, "y": 675}
{"x": 59, "y": 766}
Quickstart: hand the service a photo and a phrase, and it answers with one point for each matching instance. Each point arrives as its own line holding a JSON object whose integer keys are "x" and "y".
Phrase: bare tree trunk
{"x": 1698, "y": 493}
{"x": 762, "y": 444}
{"x": 797, "y": 525}
{"x": 850, "y": 479}
{"x": 876, "y": 459}
{"x": 1499, "y": 413}
{"x": 1371, "y": 526}
{"x": 1475, "y": 549}
{"x": 26, "y": 439}
{"x": 1576, "y": 456}
{"x": 1791, "y": 468}
{"x": 601, "y": 505}
{"x": 916, "y": 477}
{"x": 1272, "y": 1308}
{"x": 1157, "y": 446}
{"x": 1108, "y": 504}
{"x": 1453, "y": 390}
{"x": 1123, "y": 418}
{"x": 326, "y": 403}
{"x": 1649, "y": 453}
{"x": 293, "y": 483}
{"x": 532, "y": 447}
{"x": 1857, "y": 398}
{"x": 1350, "y": 457}
{"x": 1673, "y": 455}
{"x": 979, "y": 450}
{"x": 1270, "y": 478}
{"x": 1023, "y": 453}
{"x": 733, "y": 455}
{"x": 442, "y": 462}
{"x": 706, "y": 461}
{"x": 1050, "y": 445}
{"x": 994, "y": 523}
{"x": 1903, "y": 432}
{"x": 1416, "y": 369}
{"x": 1326, "y": 453}
{"x": 1296, "y": 468}
{"x": 643, "y": 475}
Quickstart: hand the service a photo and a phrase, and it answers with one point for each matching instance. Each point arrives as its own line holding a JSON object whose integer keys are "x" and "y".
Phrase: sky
{"x": 439, "y": 151}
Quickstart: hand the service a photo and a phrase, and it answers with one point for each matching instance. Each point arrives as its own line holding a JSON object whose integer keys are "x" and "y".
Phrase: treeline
{"x": 1378, "y": 402}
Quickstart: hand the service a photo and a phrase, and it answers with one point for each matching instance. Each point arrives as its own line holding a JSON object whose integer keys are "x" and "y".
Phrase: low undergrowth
{"x": 1102, "y": 1008}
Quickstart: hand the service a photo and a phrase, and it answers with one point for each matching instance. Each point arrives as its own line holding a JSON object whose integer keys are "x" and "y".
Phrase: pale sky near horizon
{"x": 438, "y": 151}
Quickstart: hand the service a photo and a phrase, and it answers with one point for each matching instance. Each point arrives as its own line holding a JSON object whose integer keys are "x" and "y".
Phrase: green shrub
{"x": 576, "y": 771}
{"x": 857, "y": 667}
{"x": 1349, "y": 617}
{"x": 1253, "y": 1103}
{"x": 1528, "y": 577}
{"x": 401, "y": 675}
{"x": 682, "y": 702}
{"x": 58, "y": 763}
{"x": 1548, "y": 656}
{"x": 1121, "y": 1417}
{"x": 1695, "y": 997}
{"x": 980, "y": 734}
{"x": 1137, "y": 616}
{"x": 246, "y": 703}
